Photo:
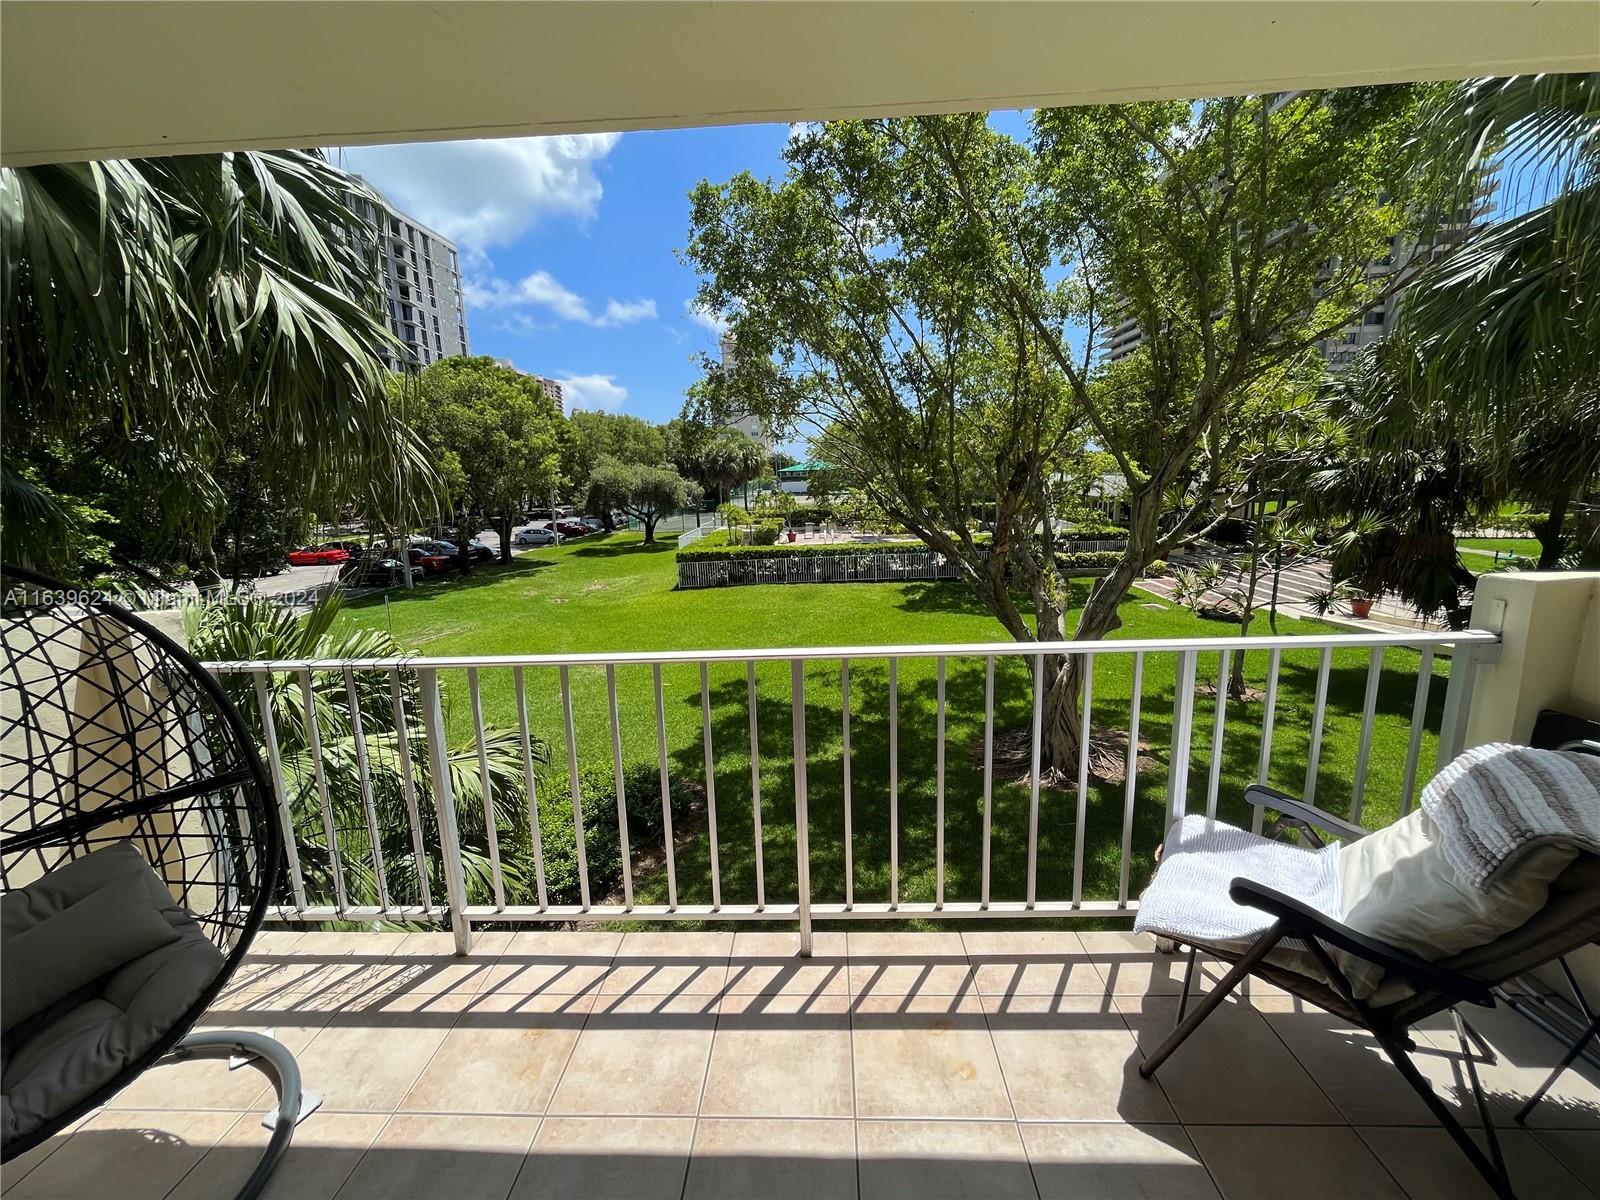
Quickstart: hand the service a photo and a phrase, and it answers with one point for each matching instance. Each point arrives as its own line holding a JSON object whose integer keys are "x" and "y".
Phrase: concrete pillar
{"x": 1549, "y": 622}
{"x": 1549, "y": 655}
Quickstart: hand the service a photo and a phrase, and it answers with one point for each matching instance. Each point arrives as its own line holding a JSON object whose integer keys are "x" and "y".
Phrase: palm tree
{"x": 1507, "y": 322}
{"x": 253, "y": 628}
{"x": 156, "y": 309}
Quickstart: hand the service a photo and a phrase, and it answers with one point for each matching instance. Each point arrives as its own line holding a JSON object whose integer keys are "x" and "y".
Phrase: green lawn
{"x": 1526, "y": 547}
{"x": 615, "y": 594}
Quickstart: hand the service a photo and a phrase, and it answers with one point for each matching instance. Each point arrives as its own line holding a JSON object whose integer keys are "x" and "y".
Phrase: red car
{"x": 323, "y": 557}
{"x": 571, "y": 527}
{"x": 432, "y": 564}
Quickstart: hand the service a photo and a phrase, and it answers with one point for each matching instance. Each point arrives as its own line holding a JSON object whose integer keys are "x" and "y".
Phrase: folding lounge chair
{"x": 1316, "y": 957}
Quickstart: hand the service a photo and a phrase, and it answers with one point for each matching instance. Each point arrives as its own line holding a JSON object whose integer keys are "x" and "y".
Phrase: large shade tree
{"x": 495, "y": 435}
{"x": 155, "y": 313}
{"x": 933, "y": 293}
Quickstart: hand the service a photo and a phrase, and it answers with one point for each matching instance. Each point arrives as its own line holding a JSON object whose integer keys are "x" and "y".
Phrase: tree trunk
{"x": 650, "y": 527}
{"x": 1236, "y": 688}
{"x": 1277, "y": 574}
{"x": 1550, "y": 530}
{"x": 505, "y": 537}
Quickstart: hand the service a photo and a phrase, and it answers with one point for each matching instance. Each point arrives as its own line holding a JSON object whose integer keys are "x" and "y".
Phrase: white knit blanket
{"x": 1496, "y": 802}
{"x": 1188, "y": 898}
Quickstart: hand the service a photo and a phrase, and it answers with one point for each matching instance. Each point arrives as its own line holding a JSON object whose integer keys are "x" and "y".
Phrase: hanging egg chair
{"x": 139, "y": 850}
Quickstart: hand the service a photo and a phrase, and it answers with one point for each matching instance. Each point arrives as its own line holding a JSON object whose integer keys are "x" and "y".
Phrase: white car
{"x": 536, "y": 535}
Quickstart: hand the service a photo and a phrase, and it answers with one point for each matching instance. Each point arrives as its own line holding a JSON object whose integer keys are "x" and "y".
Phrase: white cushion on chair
{"x": 1398, "y": 886}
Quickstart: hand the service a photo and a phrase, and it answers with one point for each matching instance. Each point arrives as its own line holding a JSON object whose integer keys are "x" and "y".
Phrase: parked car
{"x": 619, "y": 519}
{"x": 376, "y": 572}
{"x": 534, "y": 535}
{"x": 595, "y": 524}
{"x": 431, "y": 563}
{"x": 570, "y": 527}
{"x": 352, "y": 548}
{"x": 479, "y": 551}
{"x": 318, "y": 556}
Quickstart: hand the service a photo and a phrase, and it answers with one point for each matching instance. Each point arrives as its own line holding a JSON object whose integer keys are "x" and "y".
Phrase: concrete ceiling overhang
{"x": 101, "y": 80}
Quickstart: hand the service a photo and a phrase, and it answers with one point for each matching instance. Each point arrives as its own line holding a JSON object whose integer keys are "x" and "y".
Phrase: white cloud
{"x": 544, "y": 290}
{"x": 487, "y": 193}
{"x": 601, "y": 392}
{"x": 705, "y": 318}
{"x": 626, "y": 312}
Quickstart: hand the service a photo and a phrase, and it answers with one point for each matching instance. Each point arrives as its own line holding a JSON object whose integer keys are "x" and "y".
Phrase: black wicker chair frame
{"x": 111, "y": 732}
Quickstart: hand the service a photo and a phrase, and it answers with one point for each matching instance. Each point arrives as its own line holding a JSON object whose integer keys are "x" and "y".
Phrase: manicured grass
{"x": 1527, "y": 547}
{"x": 615, "y": 594}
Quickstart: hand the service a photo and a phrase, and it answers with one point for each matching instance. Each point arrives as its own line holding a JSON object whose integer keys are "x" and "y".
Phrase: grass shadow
{"x": 484, "y": 574}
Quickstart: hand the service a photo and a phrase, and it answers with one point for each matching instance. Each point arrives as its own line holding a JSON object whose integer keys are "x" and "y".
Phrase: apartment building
{"x": 551, "y": 387}
{"x": 422, "y": 285}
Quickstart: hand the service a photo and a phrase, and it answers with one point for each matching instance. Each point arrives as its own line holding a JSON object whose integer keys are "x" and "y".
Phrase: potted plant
{"x": 1360, "y": 605}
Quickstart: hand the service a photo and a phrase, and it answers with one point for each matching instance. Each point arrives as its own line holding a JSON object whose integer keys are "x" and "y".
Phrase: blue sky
{"x": 568, "y": 248}
{"x": 569, "y": 244}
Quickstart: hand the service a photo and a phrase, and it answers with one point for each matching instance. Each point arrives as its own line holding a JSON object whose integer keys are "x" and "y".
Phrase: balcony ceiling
{"x": 101, "y": 80}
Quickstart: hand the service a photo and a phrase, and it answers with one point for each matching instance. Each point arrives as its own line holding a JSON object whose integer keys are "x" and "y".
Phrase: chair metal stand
{"x": 294, "y": 1105}
{"x": 1579, "y": 1046}
{"x": 1395, "y": 1043}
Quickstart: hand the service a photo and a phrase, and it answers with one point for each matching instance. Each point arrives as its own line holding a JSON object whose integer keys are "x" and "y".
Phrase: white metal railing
{"x": 413, "y": 691}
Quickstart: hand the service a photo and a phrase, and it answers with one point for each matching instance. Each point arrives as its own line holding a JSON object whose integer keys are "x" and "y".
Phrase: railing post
{"x": 802, "y": 821}
{"x": 444, "y": 803}
{"x": 1457, "y": 702}
{"x": 1182, "y": 733}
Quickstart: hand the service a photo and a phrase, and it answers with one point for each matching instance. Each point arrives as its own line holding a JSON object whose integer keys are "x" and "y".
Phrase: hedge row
{"x": 700, "y": 552}
{"x": 722, "y": 552}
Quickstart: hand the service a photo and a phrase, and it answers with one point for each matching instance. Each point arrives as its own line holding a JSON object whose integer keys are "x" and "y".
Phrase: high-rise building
{"x": 747, "y": 423}
{"x": 422, "y": 284}
{"x": 551, "y": 387}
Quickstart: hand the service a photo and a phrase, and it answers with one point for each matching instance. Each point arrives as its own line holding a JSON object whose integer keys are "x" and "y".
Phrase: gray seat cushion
{"x": 83, "y": 1041}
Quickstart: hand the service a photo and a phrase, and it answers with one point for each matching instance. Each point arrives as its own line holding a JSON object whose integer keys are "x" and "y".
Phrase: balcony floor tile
{"x": 984, "y": 1064}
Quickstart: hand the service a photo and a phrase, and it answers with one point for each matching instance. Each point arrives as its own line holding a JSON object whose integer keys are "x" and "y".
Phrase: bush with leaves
{"x": 255, "y": 628}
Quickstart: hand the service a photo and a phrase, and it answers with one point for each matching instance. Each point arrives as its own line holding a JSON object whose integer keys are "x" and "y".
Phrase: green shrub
{"x": 1084, "y": 560}
{"x": 1157, "y": 568}
{"x": 766, "y": 533}
{"x": 1089, "y": 532}
{"x": 720, "y": 553}
{"x": 597, "y": 789}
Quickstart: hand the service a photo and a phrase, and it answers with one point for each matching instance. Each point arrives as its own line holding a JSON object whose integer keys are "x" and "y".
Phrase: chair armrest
{"x": 1307, "y": 816}
{"x": 1299, "y": 918}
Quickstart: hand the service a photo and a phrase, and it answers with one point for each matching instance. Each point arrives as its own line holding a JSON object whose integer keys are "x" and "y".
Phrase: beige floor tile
{"x": 1430, "y": 1166}
{"x": 611, "y": 1158}
{"x": 1255, "y": 1162}
{"x": 1132, "y": 966}
{"x": 894, "y": 964}
{"x": 926, "y": 1056}
{"x": 780, "y": 1056}
{"x": 770, "y": 964}
{"x": 125, "y": 1155}
{"x": 464, "y": 1158}
{"x": 1356, "y": 1074}
{"x": 1579, "y": 1152}
{"x": 557, "y": 962}
{"x": 207, "y": 1083}
{"x": 427, "y": 962}
{"x": 1524, "y": 1056}
{"x": 942, "y": 1160}
{"x": 776, "y": 1160}
{"x": 662, "y": 964}
{"x": 11, "y": 1173}
{"x": 1071, "y": 1058}
{"x": 504, "y": 1055}
{"x": 1265, "y": 1083}
{"x": 1090, "y": 1161}
{"x": 274, "y": 941}
{"x": 639, "y": 1056}
{"x": 326, "y": 1148}
{"x": 369, "y": 1061}
{"x": 1032, "y": 963}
